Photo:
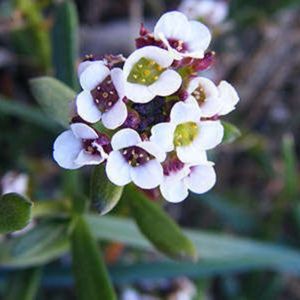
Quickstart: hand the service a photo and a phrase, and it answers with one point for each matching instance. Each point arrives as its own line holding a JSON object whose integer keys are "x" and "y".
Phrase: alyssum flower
{"x": 179, "y": 178}
{"x": 134, "y": 160}
{"x": 102, "y": 95}
{"x": 186, "y": 133}
{"x": 81, "y": 145}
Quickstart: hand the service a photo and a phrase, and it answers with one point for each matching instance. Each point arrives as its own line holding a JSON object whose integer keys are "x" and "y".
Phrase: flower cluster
{"x": 158, "y": 116}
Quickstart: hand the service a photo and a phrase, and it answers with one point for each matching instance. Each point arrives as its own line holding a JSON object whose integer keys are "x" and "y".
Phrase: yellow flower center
{"x": 185, "y": 134}
{"x": 145, "y": 72}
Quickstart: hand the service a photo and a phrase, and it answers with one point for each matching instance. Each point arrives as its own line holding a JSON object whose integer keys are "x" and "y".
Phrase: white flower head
{"x": 211, "y": 11}
{"x": 134, "y": 160}
{"x": 179, "y": 178}
{"x": 79, "y": 146}
{"x": 147, "y": 74}
{"x": 13, "y": 182}
{"x": 102, "y": 95}
{"x": 182, "y": 37}
{"x": 206, "y": 94}
{"x": 186, "y": 133}
{"x": 228, "y": 96}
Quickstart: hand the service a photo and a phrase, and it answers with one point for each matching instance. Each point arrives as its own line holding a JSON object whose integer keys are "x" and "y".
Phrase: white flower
{"x": 211, "y": 11}
{"x": 179, "y": 178}
{"x": 206, "y": 94}
{"x": 229, "y": 97}
{"x": 182, "y": 37}
{"x": 134, "y": 160}
{"x": 79, "y": 146}
{"x": 102, "y": 95}
{"x": 186, "y": 134}
{"x": 13, "y": 182}
{"x": 147, "y": 75}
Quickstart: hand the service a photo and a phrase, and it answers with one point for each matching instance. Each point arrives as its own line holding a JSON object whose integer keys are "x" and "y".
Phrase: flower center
{"x": 105, "y": 95}
{"x": 179, "y": 45}
{"x": 145, "y": 71}
{"x": 172, "y": 165}
{"x": 136, "y": 156}
{"x": 199, "y": 94}
{"x": 185, "y": 134}
{"x": 92, "y": 145}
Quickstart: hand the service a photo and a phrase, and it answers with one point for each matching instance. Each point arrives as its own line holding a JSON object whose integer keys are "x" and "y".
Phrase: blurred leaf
{"x": 158, "y": 227}
{"x": 54, "y": 97}
{"x": 40, "y": 245}
{"x": 104, "y": 195}
{"x": 15, "y": 212}
{"x": 23, "y": 284}
{"x": 231, "y": 133}
{"x": 91, "y": 278}
{"x": 65, "y": 42}
{"x": 26, "y": 113}
{"x": 290, "y": 176}
{"x": 220, "y": 253}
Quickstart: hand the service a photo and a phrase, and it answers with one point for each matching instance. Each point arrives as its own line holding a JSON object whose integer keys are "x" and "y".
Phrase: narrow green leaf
{"x": 40, "y": 245}
{"x": 91, "y": 278}
{"x": 15, "y": 212}
{"x": 65, "y": 42}
{"x": 159, "y": 228}
{"x": 55, "y": 98}
{"x": 23, "y": 284}
{"x": 104, "y": 194}
{"x": 231, "y": 133}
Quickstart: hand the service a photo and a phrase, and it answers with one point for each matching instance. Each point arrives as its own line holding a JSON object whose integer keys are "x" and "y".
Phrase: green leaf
{"x": 23, "y": 284}
{"x": 231, "y": 133}
{"x": 91, "y": 278}
{"x": 15, "y": 212}
{"x": 26, "y": 113}
{"x": 40, "y": 245}
{"x": 158, "y": 227}
{"x": 54, "y": 97}
{"x": 104, "y": 195}
{"x": 65, "y": 42}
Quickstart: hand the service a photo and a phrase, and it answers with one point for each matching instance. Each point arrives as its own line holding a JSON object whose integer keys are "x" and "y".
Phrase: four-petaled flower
{"x": 102, "y": 95}
{"x": 183, "y": 38}
{"x": 81, "y": 145}
{"x": 186, "y": 133}
{"x": 134, "y": 160}
{"x": 147, "y": 74}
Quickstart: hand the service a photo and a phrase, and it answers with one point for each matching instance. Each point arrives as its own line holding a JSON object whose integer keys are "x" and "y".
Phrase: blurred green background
{"x": 257, "y": 192}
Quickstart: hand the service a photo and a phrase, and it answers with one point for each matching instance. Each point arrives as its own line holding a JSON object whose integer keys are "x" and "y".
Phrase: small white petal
{"x": 83, "y": 65}
{"x": 153, "y": 149}
{"x": 163, "y": 134}
{"x": 185, "y": 112}
{"x": 93, "y": 75}
{"x": 168, "y": 83}
{"x": 116, "y": 116}
{"x": 173, "y": 25}
{"x": 85, "y": 158}
{"x": 173, "y": 190}
{"x": 160, "y": 56}
{"x": 210, "y": 134}
{"x": 229, "y": 97}
{"x": 125, "y": 138}
{"x": 138, "y": 93}
{"x": 118, "y": 81}
{"x": 201, "y": 179}
{"x": 117, "y": 169}
{"x": 83, "y": 131}
{"x": 66, "y": 149}
{"x": 86, "y": 107}
{"x": 147, "y": 176}
{"x": 199, "y": 38}
{"x": 191, "y": 154}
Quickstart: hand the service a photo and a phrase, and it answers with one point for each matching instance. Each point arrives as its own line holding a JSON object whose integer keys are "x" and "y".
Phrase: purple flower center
{"x": 91, "y": 145}
{"x": 179, "y": 45}
{"x": 105, "y": 95}
{"x": 136, "y": 156}
{"x": 172, "y": 165}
